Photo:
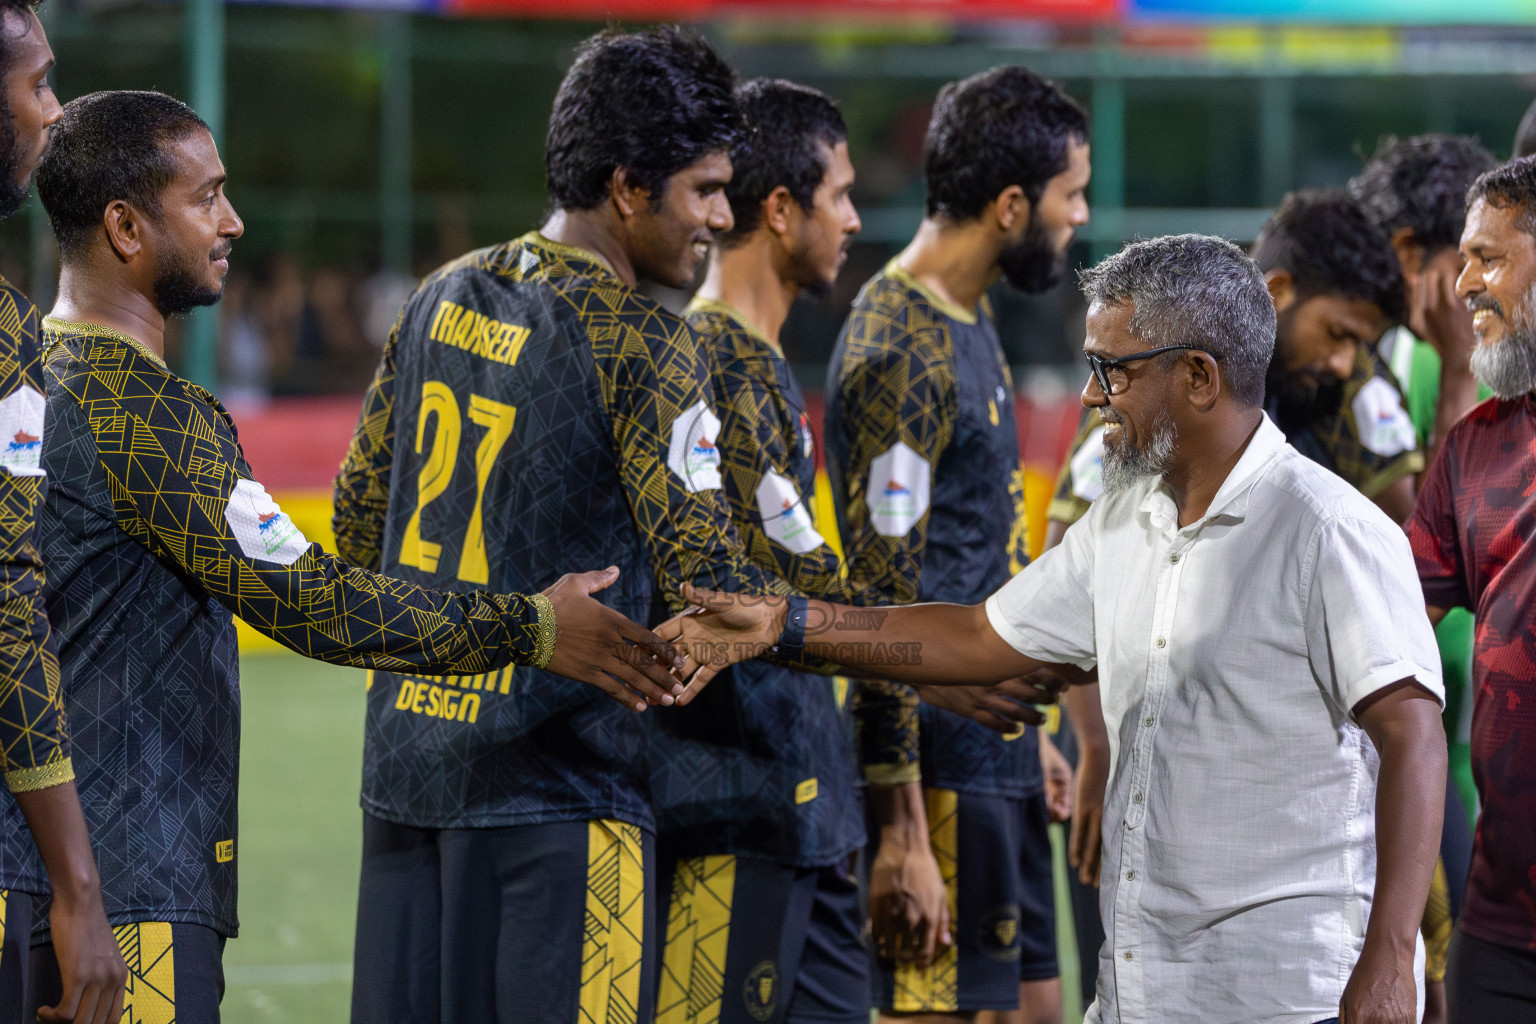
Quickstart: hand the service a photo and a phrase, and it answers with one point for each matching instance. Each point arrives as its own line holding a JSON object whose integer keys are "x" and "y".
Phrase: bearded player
{"x": 924, "y": 463}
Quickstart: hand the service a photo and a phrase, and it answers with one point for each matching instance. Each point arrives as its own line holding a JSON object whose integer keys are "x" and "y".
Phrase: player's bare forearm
{"x": 90, "y": 963}
{"x": 1403, "y": 722}
{"x": 908, "y": 904}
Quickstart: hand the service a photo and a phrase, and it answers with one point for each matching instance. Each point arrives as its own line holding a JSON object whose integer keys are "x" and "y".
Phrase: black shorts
{"x": 753, "y": 942}
{"x": 18, "y": 911}
{"x": 533, "y": 924}
{"x": 175, "y": 973}
{"x": 994, "y": 853}
{"x": 1489, "y": 982}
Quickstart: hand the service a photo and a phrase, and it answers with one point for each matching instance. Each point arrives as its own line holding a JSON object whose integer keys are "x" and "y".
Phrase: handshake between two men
{"x": 950, "y": 652}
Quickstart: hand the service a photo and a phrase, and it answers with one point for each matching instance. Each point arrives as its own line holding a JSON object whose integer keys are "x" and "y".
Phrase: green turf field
{"x": 299, "y": 833}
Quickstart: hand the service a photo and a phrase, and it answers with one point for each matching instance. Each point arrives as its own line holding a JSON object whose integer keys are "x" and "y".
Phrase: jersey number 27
{"x": 439, "y": 404}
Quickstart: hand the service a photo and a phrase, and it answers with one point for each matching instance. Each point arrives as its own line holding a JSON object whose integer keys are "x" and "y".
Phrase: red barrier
{"x": 297, "y": 444}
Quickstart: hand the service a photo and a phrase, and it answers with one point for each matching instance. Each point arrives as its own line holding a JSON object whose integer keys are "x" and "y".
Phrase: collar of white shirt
{"x": 1232, "y": 496}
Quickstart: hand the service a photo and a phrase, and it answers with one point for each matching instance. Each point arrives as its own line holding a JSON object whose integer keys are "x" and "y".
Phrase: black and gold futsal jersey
{"x": 761, "y": 763}
{"x": 34, "y": 750}
{"x": 533, "y": 416}
{"x": 1359, "y": 428}
{"x": 922, "y": 451}
{"x": 1080, "y": 482}
{"x": 155, "y": 535}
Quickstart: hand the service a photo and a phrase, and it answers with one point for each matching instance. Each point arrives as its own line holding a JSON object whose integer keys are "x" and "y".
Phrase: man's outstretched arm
{"x": 921, "y": 643}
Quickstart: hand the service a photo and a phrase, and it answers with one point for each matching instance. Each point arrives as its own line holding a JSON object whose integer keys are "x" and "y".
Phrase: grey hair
{"x": 1193, "y": 290}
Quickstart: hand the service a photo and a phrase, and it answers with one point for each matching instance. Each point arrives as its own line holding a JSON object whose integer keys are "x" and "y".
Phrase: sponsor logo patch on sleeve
{"x": 21, "y": 432}
{"x": 262, "y": 530}
{"x": 1381, "y": 420}
{"x": 898, "y": 490}
{"x": 694, "y": 455}
{"x": 785, "y": 516}
{"x": 1088, "y": 467}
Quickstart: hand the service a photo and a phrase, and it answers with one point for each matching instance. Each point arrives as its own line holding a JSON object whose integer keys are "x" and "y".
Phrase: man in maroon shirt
{"x": 1473, "y": 532}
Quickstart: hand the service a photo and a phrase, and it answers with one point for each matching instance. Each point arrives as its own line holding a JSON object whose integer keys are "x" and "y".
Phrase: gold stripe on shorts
{"x": 151, "y": 957}
{"x": 615, "y": 924}
{"x": 935, "y": 989}
{"x": 698, "y": 930}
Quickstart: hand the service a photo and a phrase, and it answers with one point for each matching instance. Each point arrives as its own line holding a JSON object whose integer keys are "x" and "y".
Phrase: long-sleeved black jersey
{"x": 922, "y": 451}
{"x": 761, "y": 763}
{"x": 34, "y": 747}
{"x": 34, "y": 750}
{"x": 532, "y": 415}
{"x": 156, "y": 534}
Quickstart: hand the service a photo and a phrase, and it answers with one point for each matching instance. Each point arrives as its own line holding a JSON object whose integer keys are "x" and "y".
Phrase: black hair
{"x": 23, "y": 9}
{"x": 1330, "y": 246}
{"x": 786, "y": 130}
{"x": 109, "y": 146}
{"x": 1003, "y": 127}
{"x": 1421, "y": 183}
{"x": 1525, "y": 135}
{"x": 1510, "y": 186}
{"x": 651, "y": 102}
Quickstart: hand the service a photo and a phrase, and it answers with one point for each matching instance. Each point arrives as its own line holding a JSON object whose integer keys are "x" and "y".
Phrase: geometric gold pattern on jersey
{"x": 598, "y": 384}
{"x": 698, "y": 932}
{"x": 615, "y": 924}
{"x": 913, "y": 372}
{"x": 934, "y": 989}
{"x": 34, "y": 749}
{"x": 151, "y": 958}
{"x": 173, "y": 463}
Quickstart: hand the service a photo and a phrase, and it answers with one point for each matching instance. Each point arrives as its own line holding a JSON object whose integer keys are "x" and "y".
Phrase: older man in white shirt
{"x": 1269, "y": 677}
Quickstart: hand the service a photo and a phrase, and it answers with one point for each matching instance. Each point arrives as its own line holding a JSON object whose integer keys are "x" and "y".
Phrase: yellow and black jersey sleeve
{"x": 894, "y": 398}
{"x": 1370, "y": 438}
{"x": 180, "y": 486}
{"x": 34, "y": 746}
{"x": 1080, "y": 481}
{"x": 768, "y": 467}
{"x": 891, "y": 396}
{"x": 362, "y": 487}
{"x": 657, "y": 388}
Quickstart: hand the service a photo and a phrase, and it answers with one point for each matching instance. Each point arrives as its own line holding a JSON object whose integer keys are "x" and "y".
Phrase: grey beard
{"x": 1508, "y": 366}
{"x": 1125, "y": 464}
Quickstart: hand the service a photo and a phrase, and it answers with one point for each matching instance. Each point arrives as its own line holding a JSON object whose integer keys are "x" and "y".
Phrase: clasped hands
{"x": 720, "y": 629}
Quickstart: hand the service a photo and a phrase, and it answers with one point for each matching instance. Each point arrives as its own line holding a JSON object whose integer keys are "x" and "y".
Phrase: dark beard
{"x": 1034, "y": 265}
{"x": 1296, "y": 405}
{"x": 13, "y": 191}
{"x": 177, "y": 289}
{"x": 819, "y": 289}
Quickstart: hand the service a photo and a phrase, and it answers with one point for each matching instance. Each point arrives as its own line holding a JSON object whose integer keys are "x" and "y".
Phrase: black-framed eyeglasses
{"x": 1113, "y": 383}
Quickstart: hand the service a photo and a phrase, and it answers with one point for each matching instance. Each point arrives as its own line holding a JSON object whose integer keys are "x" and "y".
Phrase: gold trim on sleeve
{"x": 28, "y": 780}
{"x": 548, "y": 632}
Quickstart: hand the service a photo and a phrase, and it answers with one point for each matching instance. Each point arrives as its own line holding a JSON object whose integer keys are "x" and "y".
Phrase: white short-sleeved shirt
{"x": 1239, "y": 831}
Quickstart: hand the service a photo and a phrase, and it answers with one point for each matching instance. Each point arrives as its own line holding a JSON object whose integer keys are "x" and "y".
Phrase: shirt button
{"x": 1161, "y": 643}
{"x": 1148, "y": 721}
{"x": 1130, "y": 876}
{"x": 1129, "y": 955}
{"x": 1173, "y": 559}
{"x": 1136, "y": 797}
